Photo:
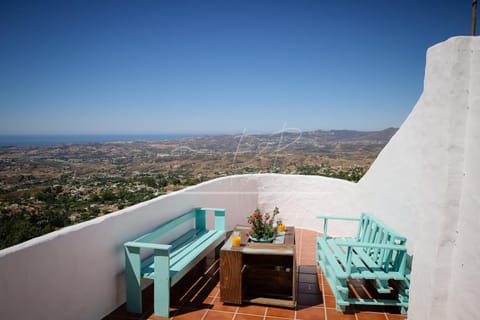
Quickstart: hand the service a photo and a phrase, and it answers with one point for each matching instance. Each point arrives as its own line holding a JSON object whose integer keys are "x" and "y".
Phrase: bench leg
{"x": 340, "y": 308}
{"x": 133, "y": 279}
{"x": 161, "y": 286}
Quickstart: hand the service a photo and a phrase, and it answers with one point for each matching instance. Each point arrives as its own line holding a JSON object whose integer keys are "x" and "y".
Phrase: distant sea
{"x": 45, "y": 140}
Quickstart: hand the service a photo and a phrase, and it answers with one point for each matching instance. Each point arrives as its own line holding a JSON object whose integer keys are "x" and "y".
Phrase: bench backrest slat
{"x": 198, "y": 214}
{"x": 150, "y": 237}
{"x": 372, "y": 230}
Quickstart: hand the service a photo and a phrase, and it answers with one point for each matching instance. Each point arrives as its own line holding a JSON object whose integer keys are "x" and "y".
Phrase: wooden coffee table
{"x": 262, "y": 273}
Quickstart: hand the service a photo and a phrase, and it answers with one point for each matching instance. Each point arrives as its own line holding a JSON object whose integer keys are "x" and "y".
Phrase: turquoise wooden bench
{"x": 170, "y": 262}
{"x": 377, "y": 254}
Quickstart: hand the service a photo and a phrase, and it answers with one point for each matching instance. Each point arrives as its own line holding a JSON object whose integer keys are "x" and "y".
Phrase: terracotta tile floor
{"x": 202, "y": 299}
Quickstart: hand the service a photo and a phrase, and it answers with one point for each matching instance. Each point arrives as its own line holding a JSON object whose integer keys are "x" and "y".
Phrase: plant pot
{"x": 262, "y": 240}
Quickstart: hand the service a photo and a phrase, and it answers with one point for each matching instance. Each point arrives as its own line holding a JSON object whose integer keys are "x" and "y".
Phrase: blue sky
{"x": 134, "y": 67}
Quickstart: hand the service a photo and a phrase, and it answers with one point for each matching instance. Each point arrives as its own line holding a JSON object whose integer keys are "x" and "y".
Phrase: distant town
{"x": 45, "y": 188}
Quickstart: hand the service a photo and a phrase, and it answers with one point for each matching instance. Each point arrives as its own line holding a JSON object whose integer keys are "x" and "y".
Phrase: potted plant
{"x": 262, "y": 229}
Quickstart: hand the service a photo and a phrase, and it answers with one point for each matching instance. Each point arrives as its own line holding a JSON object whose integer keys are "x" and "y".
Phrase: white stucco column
{"x": 425, "y": 184}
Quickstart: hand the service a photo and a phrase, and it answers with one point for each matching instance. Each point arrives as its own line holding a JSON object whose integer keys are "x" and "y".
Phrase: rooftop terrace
{"x": 424, "y": 184}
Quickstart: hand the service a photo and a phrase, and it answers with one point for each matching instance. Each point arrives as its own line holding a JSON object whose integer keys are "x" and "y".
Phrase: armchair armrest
{"x": 326, "y": 218}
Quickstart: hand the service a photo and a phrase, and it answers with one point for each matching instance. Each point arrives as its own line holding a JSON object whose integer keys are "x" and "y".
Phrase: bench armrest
{"x": 355, "y": 244}
{"x": 147, "y": 245}
{"x": 338, "y": 218}
{"x": 326, "y": 218}
{"x": 219, "y": 217}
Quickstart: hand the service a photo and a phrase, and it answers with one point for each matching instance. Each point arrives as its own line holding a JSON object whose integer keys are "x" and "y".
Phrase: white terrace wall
{"x": 77, "y": 272}
{"x": 426, "y": 183}
{"x": 299, "y": 198}
{"x": 302, "y": 198}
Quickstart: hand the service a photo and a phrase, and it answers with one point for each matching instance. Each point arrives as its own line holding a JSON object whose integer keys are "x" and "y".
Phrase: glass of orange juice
{"x": 280, "y": 226}
{"x": 236, "y": 239}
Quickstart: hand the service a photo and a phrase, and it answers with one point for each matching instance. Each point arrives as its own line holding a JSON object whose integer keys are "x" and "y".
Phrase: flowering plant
{"x": 262, "y": 224}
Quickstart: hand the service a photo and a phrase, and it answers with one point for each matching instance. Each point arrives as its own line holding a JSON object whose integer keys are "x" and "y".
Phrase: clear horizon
{"x": 18, "y": 140}
{"x": 184, "y": 67}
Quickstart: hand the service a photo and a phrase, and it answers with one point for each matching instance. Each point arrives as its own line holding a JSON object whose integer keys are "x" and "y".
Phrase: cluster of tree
{"x": 22, "y": 226}
{"x": 56, "y": 206}
{"x": 352, "y": 174}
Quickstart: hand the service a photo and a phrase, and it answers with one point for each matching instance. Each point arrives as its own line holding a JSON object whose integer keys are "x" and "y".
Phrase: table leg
{"x": 231, "y": 276}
